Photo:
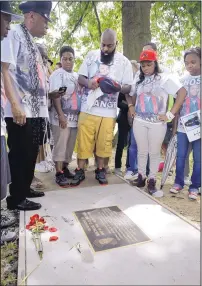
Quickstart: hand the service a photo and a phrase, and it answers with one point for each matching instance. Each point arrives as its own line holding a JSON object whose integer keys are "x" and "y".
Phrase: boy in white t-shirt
{"x": 64, "y": 115}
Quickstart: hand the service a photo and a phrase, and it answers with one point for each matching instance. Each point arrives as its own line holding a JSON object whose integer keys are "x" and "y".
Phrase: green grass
{"x": 9, "y": 255}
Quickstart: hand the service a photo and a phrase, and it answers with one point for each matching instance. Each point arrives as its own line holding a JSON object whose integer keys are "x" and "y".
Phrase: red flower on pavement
{"x": 34, "y": 218}
{"x": 42, "y": 220}
{"x": 52, "y": 229}
{"x": 53, "y": 238}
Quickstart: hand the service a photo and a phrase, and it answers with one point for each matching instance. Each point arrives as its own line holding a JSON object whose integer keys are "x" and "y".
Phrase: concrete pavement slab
{"x": 172, "y": 257}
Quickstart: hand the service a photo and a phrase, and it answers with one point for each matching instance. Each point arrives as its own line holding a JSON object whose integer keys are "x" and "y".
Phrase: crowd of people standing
{"x": 80, "y": 109}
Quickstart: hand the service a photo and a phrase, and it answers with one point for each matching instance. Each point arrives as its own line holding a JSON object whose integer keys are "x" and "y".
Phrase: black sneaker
{"x": 78, "y": 177}
{"x": 61, "y": 180}
{"x": 151, "y": 187}
{"x": 68, "y": 174}
{"x": 139, "y": 182}
{"x": 100, "y": 175}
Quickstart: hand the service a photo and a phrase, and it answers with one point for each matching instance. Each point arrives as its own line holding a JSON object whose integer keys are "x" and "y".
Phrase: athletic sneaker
{"x": 118, "y": 171}
{"x": 61, "y": 180}
{"x": 175, "y": 189}
{"x": 100, "y": 175}
{"x": 7, "y": 221}
{"x": 193, "y": 193}
{"x": 130, "y": 175}
{"x": 78, "y": 177}
{"x": 187, "y": 181}
{"x": 68, "y": 174}
{"x": 139, "y": 182}
{"x": 151, "y": 187}
{"x": 7, "y": 236}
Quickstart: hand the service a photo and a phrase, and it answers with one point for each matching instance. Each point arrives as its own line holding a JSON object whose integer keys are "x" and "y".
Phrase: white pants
{"x": 149, "y": 138}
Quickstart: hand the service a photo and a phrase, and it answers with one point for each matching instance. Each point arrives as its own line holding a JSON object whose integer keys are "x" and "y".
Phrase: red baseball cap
{"x": 148, "y": 55}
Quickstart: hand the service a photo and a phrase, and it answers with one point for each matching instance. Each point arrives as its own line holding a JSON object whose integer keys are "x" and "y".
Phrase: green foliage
{"x": 83, "y": 32}
{"x": 14, "y": 6}
{"x": 175, "y": 26}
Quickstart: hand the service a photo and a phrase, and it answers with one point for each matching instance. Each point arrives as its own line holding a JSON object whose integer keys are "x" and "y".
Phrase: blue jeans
{"x": 182, "y": 150}
{"x": 131, "y": 163}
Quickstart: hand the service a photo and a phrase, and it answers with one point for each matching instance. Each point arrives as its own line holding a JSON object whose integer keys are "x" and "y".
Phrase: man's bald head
{"x": 109, "y": 34}
{"x": 108, "y": 45}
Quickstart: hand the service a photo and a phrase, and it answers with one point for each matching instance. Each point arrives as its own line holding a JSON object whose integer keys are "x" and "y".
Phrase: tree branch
{"x": 171, "y": 23}
{"x": 78, "y": 23}
{"x": 97, "y": 17}
{"x": 181, "y": 35}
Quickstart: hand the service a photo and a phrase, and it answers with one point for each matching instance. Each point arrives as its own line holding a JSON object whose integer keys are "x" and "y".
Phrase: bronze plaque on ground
{"x": 109, "y": 227}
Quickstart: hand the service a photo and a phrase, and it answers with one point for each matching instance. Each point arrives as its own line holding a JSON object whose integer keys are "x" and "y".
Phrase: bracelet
{"x": 129, "y": 105}
{"x": 170, "y": 116}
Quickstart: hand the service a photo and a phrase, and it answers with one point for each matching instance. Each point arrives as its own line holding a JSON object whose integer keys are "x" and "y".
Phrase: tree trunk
{"x": 135, "y": 27}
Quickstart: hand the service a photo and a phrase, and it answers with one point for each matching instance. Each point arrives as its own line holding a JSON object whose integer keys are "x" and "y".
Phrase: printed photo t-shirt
{"x": 70, "y": 102}
{"x": 152, "y": 96}
{"x": 192, "y": 101}
{"x": 14, "y": 51}
{"x": 120, "y": 70}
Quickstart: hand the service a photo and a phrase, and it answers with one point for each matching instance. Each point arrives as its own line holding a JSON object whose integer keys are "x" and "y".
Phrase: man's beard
{"x": 107, "y": 59}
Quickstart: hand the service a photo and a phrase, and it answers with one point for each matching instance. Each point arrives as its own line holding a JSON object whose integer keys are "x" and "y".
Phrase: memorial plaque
{"x": 109, "y": 227}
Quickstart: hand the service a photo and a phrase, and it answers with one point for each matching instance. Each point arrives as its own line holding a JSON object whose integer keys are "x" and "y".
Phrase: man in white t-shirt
{"x": 6, "y": 221}
{"x": 26, "y": 111}
{"x": 99, "y": 105}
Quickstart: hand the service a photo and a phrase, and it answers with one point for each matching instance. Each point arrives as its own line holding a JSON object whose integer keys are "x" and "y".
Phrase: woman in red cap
{"x": 150, "y": 98}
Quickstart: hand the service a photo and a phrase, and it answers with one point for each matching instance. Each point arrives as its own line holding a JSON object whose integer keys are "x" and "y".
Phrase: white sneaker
{"x": 158, "y": 194}
{"x": 118, "y": 171}
{"x": 193, "y": 195}
{"x": 130, "y": 176}
{"x": 44, "y": 167}
{"x": 187, "y": 181}
{"x": 7, "y": 236}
